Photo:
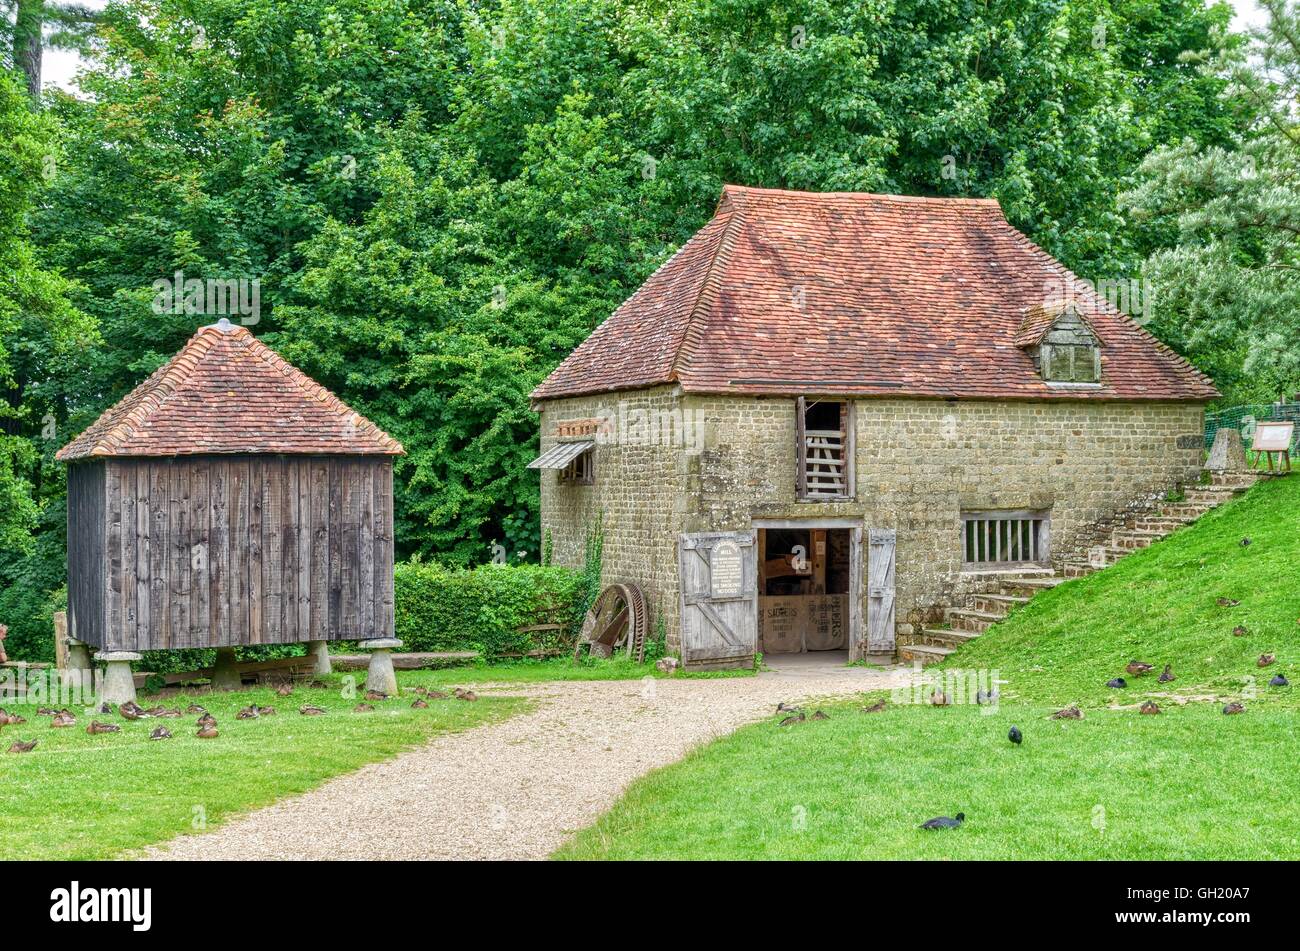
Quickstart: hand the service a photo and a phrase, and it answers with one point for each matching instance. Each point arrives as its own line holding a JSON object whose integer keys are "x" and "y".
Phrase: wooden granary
{"x": 229, "y": 500}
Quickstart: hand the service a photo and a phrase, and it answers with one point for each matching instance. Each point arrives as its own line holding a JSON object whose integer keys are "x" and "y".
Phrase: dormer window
{"x": 1062, "y": 343}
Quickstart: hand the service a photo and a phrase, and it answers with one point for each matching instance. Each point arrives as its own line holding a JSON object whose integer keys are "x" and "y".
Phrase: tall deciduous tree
{"x": 1229, "y": 288}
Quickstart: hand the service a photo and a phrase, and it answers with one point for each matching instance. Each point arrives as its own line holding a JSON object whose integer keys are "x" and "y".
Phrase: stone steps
{"x": 982, "y": 610}
{"x": 937, "y": 637}
{"x": 925, "y": 655}
{"x": 1000, "y": 604}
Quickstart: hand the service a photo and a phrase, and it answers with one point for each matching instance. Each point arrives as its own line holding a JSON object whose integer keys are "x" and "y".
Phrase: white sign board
{"x": 727, "y": 570}
{"x": 1273, "y": 437}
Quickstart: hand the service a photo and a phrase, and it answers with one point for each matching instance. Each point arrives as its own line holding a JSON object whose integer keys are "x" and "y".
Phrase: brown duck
{"x": 419, "y": 704}
{"x": 1137, "y": 668}
{"x": 1234, "y": 708}
{"x": 207, "y": 732}
{"x": 1265, "y": 660}
{"x": 45, "y": 712}
{"x": 248, "y": 713}
{"x": 206, "y": 720}
{"x": 820, "y": 716}
{"x": 467, "y": 695}
{"x": 1166, "y": 675}
{"x": 132, "y": 711}
{"x": 195, "y": 708}
{"x": 363, "y": 708}
{"x": 63, "y": 719}
{"x": 1069, "y": 713}
{"x": 436, "y": 695}
{"x": 1150, "y": 707}
{"x": 376, "y": 695}
{"x": 791, "y": 721}
{"x": 160, "y": 733}
{"x": 168, "y": 714}
{"x": 96, "y": 728}
{"x": 264, "y": 711}
{"x": 876, "y": 707}
{"x": 1240, "y": 631}
{"x": 1227, "y": 602}
{"x": 21, "y": 747}
{"x": 284, "y": 690}
{"x": 308, "y": 710}
{"x": 940, "y": 699}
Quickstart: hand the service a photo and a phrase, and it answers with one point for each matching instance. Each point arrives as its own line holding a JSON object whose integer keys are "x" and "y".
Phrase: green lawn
{"x": 1188, "y": 783}
{"x": 91, "y": 797}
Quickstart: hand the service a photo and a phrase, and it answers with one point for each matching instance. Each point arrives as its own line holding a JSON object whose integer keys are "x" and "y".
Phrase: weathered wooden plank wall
{"x": 218, "y": 551}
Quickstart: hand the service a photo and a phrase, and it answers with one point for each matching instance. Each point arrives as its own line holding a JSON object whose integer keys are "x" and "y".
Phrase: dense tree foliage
{"x": 1230, "y": 285}
{"x": 440, "y": 199}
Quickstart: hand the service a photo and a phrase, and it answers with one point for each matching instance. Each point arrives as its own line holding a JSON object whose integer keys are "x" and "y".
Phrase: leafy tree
{"x": 1229, "y": 287}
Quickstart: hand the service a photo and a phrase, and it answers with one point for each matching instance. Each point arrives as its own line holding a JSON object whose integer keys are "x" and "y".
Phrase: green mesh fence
{"x": 1245, "y": 418}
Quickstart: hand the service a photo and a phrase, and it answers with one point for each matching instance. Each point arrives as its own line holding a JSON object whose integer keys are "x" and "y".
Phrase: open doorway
{"x": 804, "y": 580}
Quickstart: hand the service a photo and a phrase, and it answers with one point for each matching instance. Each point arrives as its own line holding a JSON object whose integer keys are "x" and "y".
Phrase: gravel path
{"x": 517, "y": 789}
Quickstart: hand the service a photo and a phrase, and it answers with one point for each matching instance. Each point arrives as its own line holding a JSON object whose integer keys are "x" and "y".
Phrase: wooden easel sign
{"x": 1273, "y": 438}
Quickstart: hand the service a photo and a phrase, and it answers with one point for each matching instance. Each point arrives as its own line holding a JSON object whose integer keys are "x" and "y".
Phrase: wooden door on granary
{"x": 719, "y": 595}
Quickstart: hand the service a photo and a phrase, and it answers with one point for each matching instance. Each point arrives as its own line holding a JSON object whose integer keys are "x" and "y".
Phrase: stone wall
{"x": 919, "y": 464}
{"x": 639, "y": 494}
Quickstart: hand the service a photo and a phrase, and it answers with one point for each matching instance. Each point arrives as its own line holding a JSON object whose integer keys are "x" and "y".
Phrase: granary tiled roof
{"x": 876, "y": 295}
{"x": 226, "y": 392}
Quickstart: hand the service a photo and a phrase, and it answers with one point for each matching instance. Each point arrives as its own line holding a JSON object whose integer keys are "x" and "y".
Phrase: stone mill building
{"x": 827, "y": 415}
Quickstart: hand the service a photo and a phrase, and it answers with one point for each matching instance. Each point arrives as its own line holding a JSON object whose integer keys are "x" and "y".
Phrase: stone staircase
{"x": 929, "y": 645}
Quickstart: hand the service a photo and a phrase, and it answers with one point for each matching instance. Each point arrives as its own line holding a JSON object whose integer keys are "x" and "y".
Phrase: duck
{"x": 1119, "y": 683}
{"x": 986, "y": 697}
{"x": 940, "y": 699}
{"x": 96, "y": 728}
{"x": 208, "y": 732}
{"x": 1150, "y": 707}
{"x": 284, "y": 690}
{"x": 248, "y": 713}
{"x": 1240, "y": 631}
{"x": 1245, "y": 543}
{"x": 106, "y": 709}
{"x": 376, "y": 695}
{"x": 944, "y": 822}
{"x": 876, "y": 707}
{"x": 436, "y": 695}
{"x": 196, "y": 708}
{"x": 1279, "y": 681}
{"x": 784, "y": 707}
{"x": 820, "y": 716}
{"x": 1228, "y": 602}
{"x": 264, "y": 711}
{"x": 1014, "y": 735}
{"x": 21, "y": 747}
{"x": 1166, "y": 675}
{"x": 160, "y": 733}
{"x": 420, "y": 704}
{"x": 1234, "y": 708}
{"x": 363, "y": 708}
{"x": 63, "y": 719}
{"x": 206, "y": 720}
{"x": 1265, "y": 660}
{"x": 1069, "y": 713}
{"x": 45, "y": 712}
{"x": 308, "y": 710}
{"x": 791, "y": 721}
{"x": 132, "y": 711}
{"x": 173, "y": 713}
{"x": 10, "y": 719}
{"x": 467, "y": 695}
{"x": 1138, "y": 668}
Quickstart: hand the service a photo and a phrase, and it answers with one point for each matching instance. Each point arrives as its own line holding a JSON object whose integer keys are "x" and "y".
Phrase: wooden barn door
{"x": 719, "y": 584}
{"x": 880, "y": 590}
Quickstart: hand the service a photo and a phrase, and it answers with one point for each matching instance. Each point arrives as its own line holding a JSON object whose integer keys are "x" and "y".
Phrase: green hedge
{"x": 456, "y": 609}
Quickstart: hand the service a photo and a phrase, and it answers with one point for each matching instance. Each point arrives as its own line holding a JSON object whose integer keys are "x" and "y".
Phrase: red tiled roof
{"x": 226, "y": 392}
{"x": 875, "y": 295}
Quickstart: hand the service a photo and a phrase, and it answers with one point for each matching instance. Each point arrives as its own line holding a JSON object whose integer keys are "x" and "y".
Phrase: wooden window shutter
{"x": 801, "y": 442}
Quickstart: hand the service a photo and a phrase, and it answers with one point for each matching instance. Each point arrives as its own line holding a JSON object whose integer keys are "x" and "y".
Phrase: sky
{"x": 60, "y": 67}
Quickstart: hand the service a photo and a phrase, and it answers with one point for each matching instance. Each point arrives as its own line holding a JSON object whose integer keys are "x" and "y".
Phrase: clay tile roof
{"x": 1039, "y": 319}
{"x": 788, "y": 292}
{"x": 226, "y": 392}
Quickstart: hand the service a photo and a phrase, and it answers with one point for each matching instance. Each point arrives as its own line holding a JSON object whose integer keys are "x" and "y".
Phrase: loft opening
{"x": 824, "y": 464}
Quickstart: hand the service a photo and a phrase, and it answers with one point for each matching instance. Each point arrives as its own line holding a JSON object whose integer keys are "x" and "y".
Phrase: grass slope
{"x": 91, "y": 797}
{"x": 1189, "y": 783}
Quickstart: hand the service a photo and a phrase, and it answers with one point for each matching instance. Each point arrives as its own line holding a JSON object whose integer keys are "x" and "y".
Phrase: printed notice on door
{"x": 727, "y": 571}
